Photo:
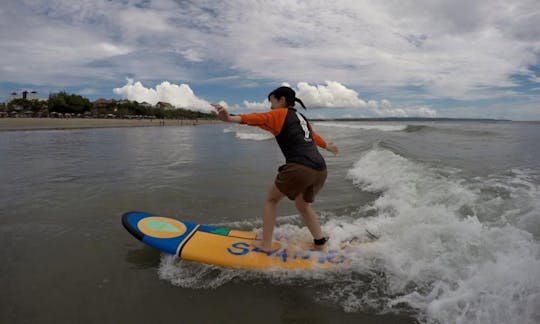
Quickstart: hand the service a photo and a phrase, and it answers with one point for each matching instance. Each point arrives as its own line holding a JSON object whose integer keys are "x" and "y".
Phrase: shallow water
{"x": 457, "y": 206}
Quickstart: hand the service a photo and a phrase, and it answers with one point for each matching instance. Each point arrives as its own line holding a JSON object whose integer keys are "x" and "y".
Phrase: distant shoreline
{"x": 18, "y": 124}
{"x": 413, "y": 119}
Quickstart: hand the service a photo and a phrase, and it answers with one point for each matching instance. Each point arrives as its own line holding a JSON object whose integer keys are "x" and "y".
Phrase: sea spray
{"x": 248, "y": 133}
{"x": 452, "y": 248}
{"x": 439, "y": 259}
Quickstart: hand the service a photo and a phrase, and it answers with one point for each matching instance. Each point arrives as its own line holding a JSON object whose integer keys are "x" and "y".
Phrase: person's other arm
{"x": 322, "y": 143}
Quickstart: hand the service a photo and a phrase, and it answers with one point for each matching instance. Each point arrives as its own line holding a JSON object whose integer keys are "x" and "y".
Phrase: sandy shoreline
{"x": 14, "y": 124}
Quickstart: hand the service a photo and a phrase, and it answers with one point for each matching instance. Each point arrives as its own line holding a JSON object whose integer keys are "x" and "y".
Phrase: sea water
{"x": 456, "y": 206}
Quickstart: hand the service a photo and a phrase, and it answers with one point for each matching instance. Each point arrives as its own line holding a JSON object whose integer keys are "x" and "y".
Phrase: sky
{"x": 428, "y": 58}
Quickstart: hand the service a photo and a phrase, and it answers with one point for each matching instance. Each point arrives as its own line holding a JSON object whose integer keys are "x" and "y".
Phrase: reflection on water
{"x": 143, "y": 258}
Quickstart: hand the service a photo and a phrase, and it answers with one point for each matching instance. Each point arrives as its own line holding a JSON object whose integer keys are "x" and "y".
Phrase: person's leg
{"x": 310, "y": 219}
{"x": 269, "y": 216}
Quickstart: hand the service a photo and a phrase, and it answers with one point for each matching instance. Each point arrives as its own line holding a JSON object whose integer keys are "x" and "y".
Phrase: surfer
{"x": 303, "y": 174}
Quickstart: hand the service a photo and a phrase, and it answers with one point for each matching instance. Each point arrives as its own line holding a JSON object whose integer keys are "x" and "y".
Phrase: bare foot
{"x": 267, "y": 248}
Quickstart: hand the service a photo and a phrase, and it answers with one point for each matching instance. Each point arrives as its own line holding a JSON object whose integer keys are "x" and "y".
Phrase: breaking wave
{"x": 451, "y": 249}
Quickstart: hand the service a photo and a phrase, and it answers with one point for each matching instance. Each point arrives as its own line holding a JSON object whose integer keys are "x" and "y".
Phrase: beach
{"x": 13, "y": 124}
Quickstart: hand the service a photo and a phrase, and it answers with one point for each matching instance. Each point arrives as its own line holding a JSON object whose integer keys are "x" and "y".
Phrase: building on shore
{"x": 164, "y": 105}
{"x": 32, "y": 95}
{"x": 28, "y": 95}
{"x": 103, "y": 103}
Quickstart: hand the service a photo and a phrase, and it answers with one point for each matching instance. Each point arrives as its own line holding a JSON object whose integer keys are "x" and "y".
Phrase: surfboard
{"x": 221, "y": 246}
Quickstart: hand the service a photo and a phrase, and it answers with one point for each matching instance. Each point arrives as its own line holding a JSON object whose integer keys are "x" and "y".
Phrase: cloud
{"x": 138, "y": 22}
{"x": 457, "y": 50}
{"x": 331, "y": 95}
{"x": 335, "y": 95}
{"x": 253, "y": 105}
{"x": 180, "y": 96}
{"x": 36, "y": 49}
{"x": 534, "y": 78}
{"x": 192, "y": 55}
{"x": 386, "y": 109}
{"x": 424, "y": 49}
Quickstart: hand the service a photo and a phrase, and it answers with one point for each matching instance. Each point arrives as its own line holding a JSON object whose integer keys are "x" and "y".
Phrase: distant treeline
{"x": 76, "y": 105}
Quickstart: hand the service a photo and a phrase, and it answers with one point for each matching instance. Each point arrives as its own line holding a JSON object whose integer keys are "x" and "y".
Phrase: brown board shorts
{"x": 294, "y": 179}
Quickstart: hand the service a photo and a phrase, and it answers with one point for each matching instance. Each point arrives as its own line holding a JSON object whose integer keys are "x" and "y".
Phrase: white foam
{"x": 254, "y": 136}
{"x": 447, "y": 264}
{"x": 511, "y": 198}
{"x": 386, "y": 128}
{"x": 249, "y": 133}
{"x": 193, "y": 275}
{"x": 451, "y": 249}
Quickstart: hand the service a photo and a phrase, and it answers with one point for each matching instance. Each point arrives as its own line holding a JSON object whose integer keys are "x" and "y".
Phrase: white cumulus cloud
{"x": 333, "y": 94}
{"x": 386, "y": 109}
{"x": 180, "y": 96}
{"x": 253, "y": 105}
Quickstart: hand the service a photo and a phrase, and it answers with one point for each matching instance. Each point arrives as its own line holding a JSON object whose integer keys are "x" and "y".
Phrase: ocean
{"x": 456, "y": 206}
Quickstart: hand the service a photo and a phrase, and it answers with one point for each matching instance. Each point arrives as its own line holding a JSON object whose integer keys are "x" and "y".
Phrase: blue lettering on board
{"x": 331, "y": 257}
{"x": 335, "y": 258}
{"x": 284, "y": 255}
{"x": 277, "y": 253}
{"x": 304, "y": 255}
{"x": 241, "y": 248}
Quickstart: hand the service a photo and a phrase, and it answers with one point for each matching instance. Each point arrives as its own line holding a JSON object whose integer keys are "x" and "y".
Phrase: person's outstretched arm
{"x": 223, "y": 115}
{"x": 271, "y": 121}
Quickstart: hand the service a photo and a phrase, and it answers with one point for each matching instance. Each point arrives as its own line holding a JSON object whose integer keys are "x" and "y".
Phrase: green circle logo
{"x": 161, "y": 227}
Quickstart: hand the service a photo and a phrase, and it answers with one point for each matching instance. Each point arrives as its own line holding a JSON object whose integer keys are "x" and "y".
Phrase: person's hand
{"x": 221, "y": 113}
{"x": 332, "y": 148}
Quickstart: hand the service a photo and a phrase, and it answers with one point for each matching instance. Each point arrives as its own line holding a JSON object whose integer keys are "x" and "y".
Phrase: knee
{"x": 272, "y": 200}
{"x": 301, "y": 205}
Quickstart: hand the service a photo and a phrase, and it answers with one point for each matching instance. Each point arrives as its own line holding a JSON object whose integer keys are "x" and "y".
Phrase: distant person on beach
{"x": 303, "y": 174}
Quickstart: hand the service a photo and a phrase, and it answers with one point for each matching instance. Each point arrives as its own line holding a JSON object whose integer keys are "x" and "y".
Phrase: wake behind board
{"x": 220, "y": 246}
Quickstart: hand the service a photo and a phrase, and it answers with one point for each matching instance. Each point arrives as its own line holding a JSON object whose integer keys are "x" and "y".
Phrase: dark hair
{"x": 289, "y": 94}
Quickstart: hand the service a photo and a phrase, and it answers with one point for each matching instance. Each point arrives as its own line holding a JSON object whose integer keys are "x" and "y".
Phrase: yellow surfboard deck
{"x": 221, "y": 246}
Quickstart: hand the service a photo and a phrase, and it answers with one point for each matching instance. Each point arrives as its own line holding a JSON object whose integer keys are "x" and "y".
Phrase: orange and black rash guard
{"x": 294, "y": 134}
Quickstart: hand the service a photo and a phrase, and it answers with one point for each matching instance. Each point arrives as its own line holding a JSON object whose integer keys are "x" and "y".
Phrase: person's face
{"x": 275, "y": 103}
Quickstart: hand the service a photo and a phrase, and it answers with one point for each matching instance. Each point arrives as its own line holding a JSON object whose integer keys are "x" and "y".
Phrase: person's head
{"x": 283, "y": 97}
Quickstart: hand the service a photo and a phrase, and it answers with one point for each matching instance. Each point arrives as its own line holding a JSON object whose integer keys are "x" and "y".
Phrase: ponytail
{"x": 300, "y": 102}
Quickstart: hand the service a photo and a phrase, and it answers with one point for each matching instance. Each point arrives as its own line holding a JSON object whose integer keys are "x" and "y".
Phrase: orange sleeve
{"x": 271, "y": 121}
{"x": 318, "y": 140}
